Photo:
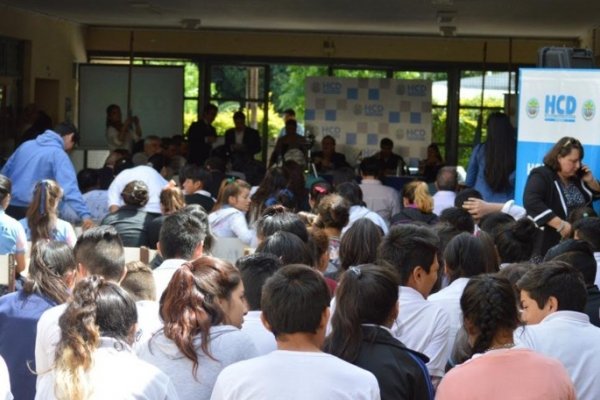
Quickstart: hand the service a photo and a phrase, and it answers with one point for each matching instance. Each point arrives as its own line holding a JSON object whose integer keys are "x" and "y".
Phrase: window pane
{"x": 190, "y": 113}
{"x": 287, "y": 90}
{"x": 468, "y": 123}
{"x": 232, "y": 82}
{"x": 438, "y": 128}
{"x": 192, "y": 77}
{"x": 496, "y": 86}
{"x": 439, "y": 86}
{"x": 357, "y": 73}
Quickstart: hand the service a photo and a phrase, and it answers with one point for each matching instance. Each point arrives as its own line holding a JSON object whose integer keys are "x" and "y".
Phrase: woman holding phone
{"x": 556, "y": 188}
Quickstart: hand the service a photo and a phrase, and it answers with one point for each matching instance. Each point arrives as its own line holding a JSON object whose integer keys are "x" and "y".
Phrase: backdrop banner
{"x": 359, "y": 112}
{"x": 554, "y": 103}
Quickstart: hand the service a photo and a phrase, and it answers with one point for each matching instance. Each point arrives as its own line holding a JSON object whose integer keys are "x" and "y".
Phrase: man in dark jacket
{"x": 201, "y": 135}
{"x": 241, "y": 137}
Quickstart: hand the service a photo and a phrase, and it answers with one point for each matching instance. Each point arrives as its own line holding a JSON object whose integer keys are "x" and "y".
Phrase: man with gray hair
{"x": 446, "y": 184}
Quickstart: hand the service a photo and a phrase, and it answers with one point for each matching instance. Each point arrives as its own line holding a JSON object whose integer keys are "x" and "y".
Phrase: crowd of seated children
{"x": 333, "y": 295}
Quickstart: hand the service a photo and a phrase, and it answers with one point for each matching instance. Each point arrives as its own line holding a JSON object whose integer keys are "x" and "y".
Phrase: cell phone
{"x": 580, "y": 173}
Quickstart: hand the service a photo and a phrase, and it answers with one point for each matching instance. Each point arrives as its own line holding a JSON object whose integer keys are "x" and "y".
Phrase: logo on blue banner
{"x": 588, "y": 110}
{"x": 560, "y": 108}
{"x": 533, "y": 108}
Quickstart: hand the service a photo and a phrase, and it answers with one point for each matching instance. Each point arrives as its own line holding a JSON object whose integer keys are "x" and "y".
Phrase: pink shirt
{"x": 515, "y": 373}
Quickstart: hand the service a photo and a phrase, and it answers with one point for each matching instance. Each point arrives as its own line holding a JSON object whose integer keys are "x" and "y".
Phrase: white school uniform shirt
{"x": 117, "y": 373}
{"x": 443, "y": 199}
{"x": 48, "y": 332}
{"x": 263, "y": 339}
{"x": 568, "y": 337}
{"x": 357, "y": 212}
{"x": 449, "y": 300}
{"x": 423, "y": 326}
{"x": 155, "y": 182}
{"x": 164, "y": 272}
{"x": 295, "y": 375}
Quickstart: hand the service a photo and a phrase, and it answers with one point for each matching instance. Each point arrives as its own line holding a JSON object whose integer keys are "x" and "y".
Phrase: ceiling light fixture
{"x": 445, "y": 17}
{"x": 190, "y": 23}
{"x": 448, "y": 31}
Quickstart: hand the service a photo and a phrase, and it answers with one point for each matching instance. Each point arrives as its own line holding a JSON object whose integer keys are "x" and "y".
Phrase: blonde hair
{"x": 229, "y": 187}
{"x": 98, "y": 308}
{"x": 417, "y": 193}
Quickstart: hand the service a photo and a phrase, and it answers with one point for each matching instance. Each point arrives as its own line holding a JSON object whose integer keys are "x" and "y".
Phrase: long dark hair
{"x": 359, "y": 243}
{"x": 272, "y": 183}
{"x": 50, "y": 262}
{"x": 500, "y": 152}
{"x": 5, "y": 187}
{"x": 464, "y": 256}
{"x": 366, "y": 294}
{"x": 189, "y": 305}
{"x": 488, "y": 303}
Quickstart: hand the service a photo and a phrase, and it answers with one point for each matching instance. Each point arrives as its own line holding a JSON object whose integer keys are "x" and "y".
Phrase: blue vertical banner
{"x": 554, "y": 103}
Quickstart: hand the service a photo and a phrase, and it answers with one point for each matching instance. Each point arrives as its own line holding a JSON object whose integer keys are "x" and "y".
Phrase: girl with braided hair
{"x": 41, "y": 221}
{"x": 93, "y": 357}
{"x": 498, "y": 369}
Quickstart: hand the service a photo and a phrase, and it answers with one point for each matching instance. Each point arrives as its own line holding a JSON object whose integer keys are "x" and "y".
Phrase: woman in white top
{"x": 228, "y": 218}
{"x": 93, "y": 357}
{"x": 121, "y": 135}
{"x": 203, "y": 309}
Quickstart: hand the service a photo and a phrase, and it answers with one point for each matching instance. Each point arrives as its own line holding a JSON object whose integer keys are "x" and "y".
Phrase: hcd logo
{"x": 588, "y": 110}
{"x": 532, "y": 108}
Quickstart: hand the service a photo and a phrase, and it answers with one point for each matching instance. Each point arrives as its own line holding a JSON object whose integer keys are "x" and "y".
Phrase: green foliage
{"x": 287, "y": 86}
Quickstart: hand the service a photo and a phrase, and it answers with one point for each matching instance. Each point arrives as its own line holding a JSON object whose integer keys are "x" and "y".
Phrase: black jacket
{"x": 400, "y": 372}
{"x": 250, "y": 140}
{"x": 543, "y": 199}
{"x": 199, "y": 149}
{"x": 593, "y": 305}
{"x": 410, "y": 215}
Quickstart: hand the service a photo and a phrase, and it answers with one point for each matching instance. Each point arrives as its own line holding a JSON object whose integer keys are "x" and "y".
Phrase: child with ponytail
{"x": 417, "y": 205}
{"x": 228, "y": 218}
{"x": 93, "y": 357}
{"x": 366, "y": 306}
{"x": 51, "y": 274}
{"x": 41, "y": 221}
{"x": 13, "y": 239}
{"x": 203, "y": 309}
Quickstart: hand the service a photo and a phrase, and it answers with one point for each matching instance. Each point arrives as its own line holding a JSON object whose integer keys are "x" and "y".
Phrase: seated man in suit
{"x": 328, "y": 159}
{"x": 391, "y": 163}
{"x": 242, "y": 137}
